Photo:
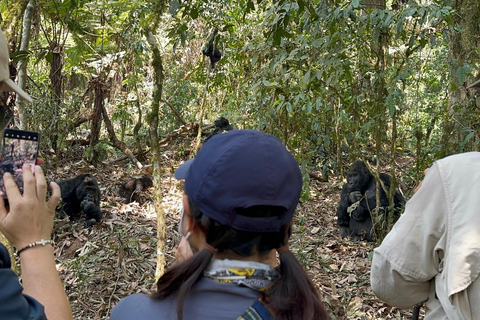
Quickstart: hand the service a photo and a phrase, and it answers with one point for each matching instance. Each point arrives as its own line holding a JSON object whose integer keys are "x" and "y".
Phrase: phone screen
{"x": 18, "y": 147}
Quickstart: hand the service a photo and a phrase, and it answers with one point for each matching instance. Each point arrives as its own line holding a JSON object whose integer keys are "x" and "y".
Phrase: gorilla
{"x": 210, "y": 49}
{"x": 81, "y": 194}
{"x": 213, "y": 53}
{"x": 221, "y": 125}
{"x": 132, "y": 189}
{"x": 358, "y": 199}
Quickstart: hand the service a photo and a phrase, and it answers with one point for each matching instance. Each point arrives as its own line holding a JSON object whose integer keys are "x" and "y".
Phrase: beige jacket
{"x": 432, "y": 253}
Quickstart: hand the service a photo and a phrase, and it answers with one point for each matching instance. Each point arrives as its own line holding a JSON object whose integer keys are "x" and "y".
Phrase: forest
{"x": 123, "y": 89}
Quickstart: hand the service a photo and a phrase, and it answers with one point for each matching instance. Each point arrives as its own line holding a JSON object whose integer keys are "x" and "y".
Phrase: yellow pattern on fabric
{"x": 243, "y": 271}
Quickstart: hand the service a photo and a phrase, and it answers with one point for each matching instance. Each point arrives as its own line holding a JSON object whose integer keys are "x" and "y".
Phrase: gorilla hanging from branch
{"x": 359, "y": 199}
{"x": 210, "y": 49}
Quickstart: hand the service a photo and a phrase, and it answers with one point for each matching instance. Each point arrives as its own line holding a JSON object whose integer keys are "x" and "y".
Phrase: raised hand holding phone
{"x": 19, "y": 147}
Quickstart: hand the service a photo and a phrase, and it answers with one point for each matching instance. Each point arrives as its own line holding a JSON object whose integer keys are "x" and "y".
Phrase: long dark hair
{"x": 292, "y": 296}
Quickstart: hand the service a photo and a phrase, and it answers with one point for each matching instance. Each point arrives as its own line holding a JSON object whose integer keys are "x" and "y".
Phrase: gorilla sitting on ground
{"x": 81, "y": 194}
{"x": 358, "y": 200}
{"x": 132, "y": 189}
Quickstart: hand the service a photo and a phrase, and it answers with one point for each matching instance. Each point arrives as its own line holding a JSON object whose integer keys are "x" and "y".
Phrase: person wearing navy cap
{"x": 241, "y": 192}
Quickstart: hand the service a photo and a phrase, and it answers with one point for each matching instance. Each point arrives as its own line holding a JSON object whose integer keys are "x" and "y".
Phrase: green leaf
{"x": 277, "y": 37}
{"x": 174, "y": 7}
{"x": 250, "y": 6}
{"x": 269, "y": 84}
{"x": 309, "y": 107}
{"x": 20, "y": 55}
{"x": 289, "y": 107}
{"x": 306, "y": 77}
{"x": 317, "y": 43}
{"x": 467, "y": 138}
{"x": 194, "y": 13}
{"x": 411, "y": 42}
{"x": 49, "y": 57}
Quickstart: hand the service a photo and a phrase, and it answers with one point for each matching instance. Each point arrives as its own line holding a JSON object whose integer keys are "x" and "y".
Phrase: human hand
{"x": 184, "y": 251}
{"x": 29, "y": 217}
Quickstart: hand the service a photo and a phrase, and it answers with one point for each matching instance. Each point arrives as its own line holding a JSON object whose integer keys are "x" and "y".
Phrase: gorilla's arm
{"x": 342, "y": 214}
{"x": 93, "y": 214}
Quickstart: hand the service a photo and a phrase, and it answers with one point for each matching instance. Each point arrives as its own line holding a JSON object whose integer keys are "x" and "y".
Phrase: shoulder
{"x": 141, "y": 306}
{"x": 460, "y": 162}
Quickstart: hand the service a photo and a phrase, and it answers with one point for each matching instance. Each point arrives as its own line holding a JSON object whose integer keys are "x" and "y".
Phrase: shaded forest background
{"x": 120, "y": 81}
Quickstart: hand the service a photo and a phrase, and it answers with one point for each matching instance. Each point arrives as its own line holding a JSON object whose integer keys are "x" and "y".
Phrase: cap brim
{"x": 182, "y": 171}
{"x": 474, "y": 85}
{"x": 9, "y": 85}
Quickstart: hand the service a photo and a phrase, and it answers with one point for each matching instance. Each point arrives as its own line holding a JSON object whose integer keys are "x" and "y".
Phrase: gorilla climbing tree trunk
{"x": 153, "y": 119}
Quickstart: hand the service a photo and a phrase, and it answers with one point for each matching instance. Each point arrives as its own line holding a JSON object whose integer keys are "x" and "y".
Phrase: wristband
{"x": 42, "y": 242}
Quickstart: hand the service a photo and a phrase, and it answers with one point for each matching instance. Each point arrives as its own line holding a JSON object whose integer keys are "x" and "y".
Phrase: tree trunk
{"x": 97, "y": 117}
{"x": 56, "y": 73}
{"x": 22, "y": 64}
{"x": 463, "y": 48}
{"x": 153, "y": 119}
{"x": 136, "y": 129}
{"x": 379, "y": 47}
{"x": 201, "y": 111}
{"x": 120, "y": 145}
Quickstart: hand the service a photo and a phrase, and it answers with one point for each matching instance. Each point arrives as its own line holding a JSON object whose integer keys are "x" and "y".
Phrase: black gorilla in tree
{"x": 359, "y": 198}
{"x": 81, "y": 194}
{"x": 221, "y": 125}
{"x": 210, "y": 49}
{"x": 132, "y": 189}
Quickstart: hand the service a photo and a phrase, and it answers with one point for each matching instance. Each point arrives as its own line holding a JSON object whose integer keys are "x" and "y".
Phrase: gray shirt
{"x": 208, "y": 300}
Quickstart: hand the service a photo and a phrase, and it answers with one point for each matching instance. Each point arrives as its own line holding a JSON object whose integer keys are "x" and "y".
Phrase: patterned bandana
{"x": 254, "y": 275}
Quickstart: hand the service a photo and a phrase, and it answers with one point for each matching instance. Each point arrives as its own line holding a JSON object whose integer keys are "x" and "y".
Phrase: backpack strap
{"x": 257, "y": 311}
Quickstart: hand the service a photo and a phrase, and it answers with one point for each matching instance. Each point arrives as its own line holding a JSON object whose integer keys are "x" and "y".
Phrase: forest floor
{"x": 102, "y": 264}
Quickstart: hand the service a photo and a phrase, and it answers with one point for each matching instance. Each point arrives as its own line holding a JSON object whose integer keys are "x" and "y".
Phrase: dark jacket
{"x": 14, "y": 305}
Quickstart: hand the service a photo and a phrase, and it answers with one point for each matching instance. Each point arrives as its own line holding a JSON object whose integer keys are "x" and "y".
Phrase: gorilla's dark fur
{"x": 221, "y": 125}
{"x": 132, "y": 189}
{"x": 213, "y": 53}
{"x": 358, "y": 200}
{"x": 81, "y": 194}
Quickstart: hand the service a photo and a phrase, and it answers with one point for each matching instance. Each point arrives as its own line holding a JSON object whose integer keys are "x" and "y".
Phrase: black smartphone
{"x": 18, "y": 147}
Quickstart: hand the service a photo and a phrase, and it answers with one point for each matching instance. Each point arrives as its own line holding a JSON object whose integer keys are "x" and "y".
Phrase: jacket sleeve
{"x": 409, "y": 256}
{"x": 14, "y": 304}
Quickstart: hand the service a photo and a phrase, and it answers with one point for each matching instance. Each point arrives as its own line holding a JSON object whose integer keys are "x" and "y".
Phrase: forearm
{"x": 395, "y": 287}
{"x": 343, "y": 217}
{"x": 42, "y": 282}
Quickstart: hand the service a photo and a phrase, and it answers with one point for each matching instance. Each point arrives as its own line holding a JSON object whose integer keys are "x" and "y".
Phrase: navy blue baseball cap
{"x": 239, "y": 169}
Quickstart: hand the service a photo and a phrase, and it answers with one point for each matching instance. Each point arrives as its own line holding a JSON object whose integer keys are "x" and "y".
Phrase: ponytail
{"x": 294, "y": 296}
